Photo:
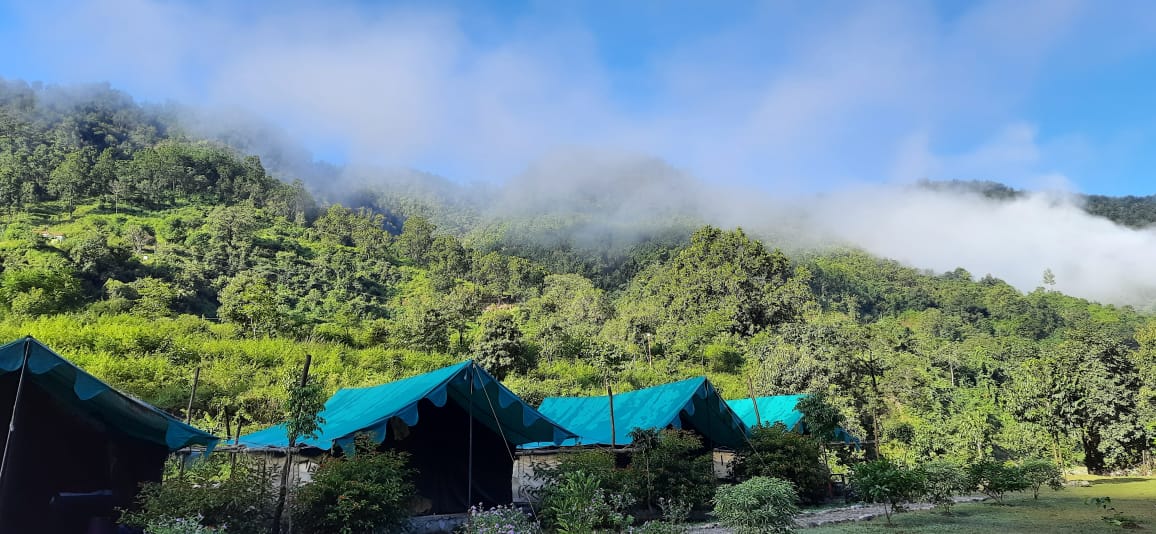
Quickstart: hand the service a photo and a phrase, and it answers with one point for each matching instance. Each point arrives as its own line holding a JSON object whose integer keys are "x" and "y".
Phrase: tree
{"x": 70, "y": 180}
{"x": 775, "y": 451}
{"x": 416, "y": 239}
{"x": 249, "y": 300}
{"x": 139, "y": 236}
{"x": 884, "y": 482}
{"x": 1087, "y": 385}
{"x": 302, "y": 420}
{"x": 1039, "y": 473}
{"x": 500, "y": 349}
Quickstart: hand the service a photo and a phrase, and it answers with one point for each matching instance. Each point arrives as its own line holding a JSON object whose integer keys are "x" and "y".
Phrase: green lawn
{"x": 1059, "y": 512}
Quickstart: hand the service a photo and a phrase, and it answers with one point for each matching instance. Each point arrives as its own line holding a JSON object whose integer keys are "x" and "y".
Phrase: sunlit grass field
{"x": 1056, "y": 512}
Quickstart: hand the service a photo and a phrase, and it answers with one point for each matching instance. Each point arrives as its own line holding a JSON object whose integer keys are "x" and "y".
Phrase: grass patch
{"x": 1062, "y": 512}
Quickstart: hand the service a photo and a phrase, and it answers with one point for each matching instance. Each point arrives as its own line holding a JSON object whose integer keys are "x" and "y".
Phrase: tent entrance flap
{"x": 440, "y": 451}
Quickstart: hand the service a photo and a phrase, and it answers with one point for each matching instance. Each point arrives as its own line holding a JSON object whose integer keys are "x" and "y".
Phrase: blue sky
{"x": 795, "y": 96}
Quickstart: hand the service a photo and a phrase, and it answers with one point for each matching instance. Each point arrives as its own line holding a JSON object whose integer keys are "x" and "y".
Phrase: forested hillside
{"x": 142, "y": 253}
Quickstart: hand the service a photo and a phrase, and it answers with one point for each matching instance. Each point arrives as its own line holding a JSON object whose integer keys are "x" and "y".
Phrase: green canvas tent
{"x": 779, "y": 409}
{"x": 691, "y": 404}
{"x": 458, "y": 424}
{"x": 74, "y": 439}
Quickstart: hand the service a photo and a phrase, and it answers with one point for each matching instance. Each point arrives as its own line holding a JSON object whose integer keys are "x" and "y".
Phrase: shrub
{"x": 368, "y": 491}
{"x": 597, "y": 463}
{"x": 213, "y": 493}
{"x": 1038, "y": 473}
{"x": 996, "y": 479}
{"x": 674, "y": 515}
{"x": 943, "y": 480}
{"x": 884, "y": 482}
{"x": 777, "y": 452}
{"x": 498, "y": 520}
{"x": 671, "y": 464}
{"x": 756, "y": 506}
{"x": 577, "y": 505}
{"x": 181, "y": 525}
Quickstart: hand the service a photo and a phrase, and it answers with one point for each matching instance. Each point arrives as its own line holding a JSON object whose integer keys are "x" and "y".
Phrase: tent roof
{"x": 368, "y": 410}
{"x": 779, "y": 409}
{"x": 655, "y": 407}
{"x": 85, "y": 394}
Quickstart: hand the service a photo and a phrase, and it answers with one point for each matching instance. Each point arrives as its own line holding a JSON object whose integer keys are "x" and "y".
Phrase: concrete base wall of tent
{"x": 75, "y": 449}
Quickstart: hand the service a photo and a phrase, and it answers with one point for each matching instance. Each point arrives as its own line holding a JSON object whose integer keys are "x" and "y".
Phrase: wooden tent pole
{"x": 613, "y": 432}
{"x": 192, "y": 395}
{"x": 189, "y": 415}
{"x": 754, "y": 401}
{"x": 12, "y": 418}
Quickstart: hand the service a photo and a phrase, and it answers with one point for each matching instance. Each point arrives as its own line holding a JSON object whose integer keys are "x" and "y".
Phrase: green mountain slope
{"x": 143, "y": 253}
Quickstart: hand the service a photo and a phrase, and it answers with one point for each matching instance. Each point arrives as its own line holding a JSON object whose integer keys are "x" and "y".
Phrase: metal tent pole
{"x": 470, "y": 455}
{"x": 12, "y": 418}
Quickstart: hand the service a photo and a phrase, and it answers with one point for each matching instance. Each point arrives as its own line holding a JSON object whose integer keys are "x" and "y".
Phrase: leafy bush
{"x": 365, "y": 492}
{"x": 777, "y": 452}
{"x": 670, "y": 464}
{"x": 498, "y": 520}
{"x": 577, "y": 505}
{"x": 674, "y": 515}
{"x": 211, "y": 491}
{"x": 598, "y": 463}
{"x": 181, "y": 525}
{"x": 757, "y": 506}
{"x": 943, "y": 480}
{"x": 884, "y": 482}
{"x": 996, "y": 479}
{"x": 1038, "y": 473}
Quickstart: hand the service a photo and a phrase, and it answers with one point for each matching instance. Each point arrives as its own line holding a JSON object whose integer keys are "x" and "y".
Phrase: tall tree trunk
{"x": 1093, "y": 458}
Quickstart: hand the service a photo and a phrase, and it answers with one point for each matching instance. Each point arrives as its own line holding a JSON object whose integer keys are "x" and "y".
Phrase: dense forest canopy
{"x": 143, "y": 252}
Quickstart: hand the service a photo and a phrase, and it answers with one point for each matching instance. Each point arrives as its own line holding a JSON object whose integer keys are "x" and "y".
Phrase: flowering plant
{"x": 498, "y": 520}
{"x": 182, "y": 525}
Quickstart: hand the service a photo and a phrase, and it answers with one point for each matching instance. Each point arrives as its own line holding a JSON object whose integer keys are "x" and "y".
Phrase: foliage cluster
{"x": 670, "y": 464}
{"x": 369, "y": 491}
{"x": 884, "y": 482}
{"x": 996, "y": 479}
{"x": 757, "y": 506}
{"x": 213, "y": 494}
{"x": 773, "y": 451}
{"x": 498, "y": 520}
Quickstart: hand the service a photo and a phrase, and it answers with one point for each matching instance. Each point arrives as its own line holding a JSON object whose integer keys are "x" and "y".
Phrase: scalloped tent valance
{"x": 369, "y": 410}
{"x": 87, "y": 396}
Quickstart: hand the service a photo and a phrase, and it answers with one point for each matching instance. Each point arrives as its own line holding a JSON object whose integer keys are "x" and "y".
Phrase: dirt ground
{"x": 829, "y": 516}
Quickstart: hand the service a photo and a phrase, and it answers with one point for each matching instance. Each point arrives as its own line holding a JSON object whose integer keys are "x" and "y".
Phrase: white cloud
{"x": 792, "y": 98}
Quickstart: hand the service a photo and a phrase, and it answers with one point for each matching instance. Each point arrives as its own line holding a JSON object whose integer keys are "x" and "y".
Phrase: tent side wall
{"x": 56, "y": 450}
{"x": 439, "y": 449}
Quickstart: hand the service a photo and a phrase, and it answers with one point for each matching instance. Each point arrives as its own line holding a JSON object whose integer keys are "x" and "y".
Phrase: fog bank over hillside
{"x": 936, "y": 228}
{"x": 1015, "y": 240}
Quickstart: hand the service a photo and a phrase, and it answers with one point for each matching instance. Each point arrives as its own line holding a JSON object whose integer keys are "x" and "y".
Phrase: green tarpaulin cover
{"x": 694, "y": 400}
{"x": 368, "y": 410}
{"x": 86, "y": 395}
{"x": 779, "y": 409}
